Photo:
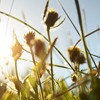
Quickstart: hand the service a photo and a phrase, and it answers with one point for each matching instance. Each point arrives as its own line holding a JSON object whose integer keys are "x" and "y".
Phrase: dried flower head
{"x": 29, "y": 37}
{"x": 40, "y": 49}
{"x": 16, "y": 50}
{"x": 51, "y": 18}
{"x": 76, "y": 55}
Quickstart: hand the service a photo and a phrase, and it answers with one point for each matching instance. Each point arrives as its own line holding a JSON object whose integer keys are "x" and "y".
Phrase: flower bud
{"x": 51, "y": 18}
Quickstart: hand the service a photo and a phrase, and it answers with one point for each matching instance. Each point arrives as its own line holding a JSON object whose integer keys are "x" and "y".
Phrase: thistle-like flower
{"x": 29, "y": 37}
{"x": 16, "y": 50}
{"x": 40, "y": 49}
{"x": 51, "y": 18}
{"x": 76, "y": 55}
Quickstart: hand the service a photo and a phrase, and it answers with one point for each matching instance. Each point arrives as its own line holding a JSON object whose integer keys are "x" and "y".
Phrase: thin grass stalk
{"x": 60, "y": 66}
{"x": 26, "y": 50}
{"x": 95, "y": 55}
{"x": 32, "y": 55}
{"x": 87, "y": 35}
{"x": 68, "y": 17}
{"x": 17, "y": 19}
{"x": 40, "y": 85}
{"x": 82, "y": 34}
{"x": 51, "y": 59}
{"x": 92, "y": 59}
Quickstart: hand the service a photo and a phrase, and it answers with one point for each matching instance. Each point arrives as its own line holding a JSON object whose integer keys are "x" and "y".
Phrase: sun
{"x": 5, "y": 44}
{"x": 5, "y": 41}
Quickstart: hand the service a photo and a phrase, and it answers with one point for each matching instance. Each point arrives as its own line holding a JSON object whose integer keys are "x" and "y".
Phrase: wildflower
{"x": 76, "y": 55}
{"x": 16, "y": 50}
{"x": 51, "y": 18}
{"x": 40, "y": 49}
{"x": 29, "y": 37}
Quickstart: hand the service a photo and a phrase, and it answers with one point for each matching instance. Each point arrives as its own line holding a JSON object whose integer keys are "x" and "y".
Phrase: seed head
{"x": 29, "y": 37}
{"x": 51, "y": 18}
{"x": 76, "y": 55}
{"x": 81, "y": 58}
{"x": 40, "y": 49}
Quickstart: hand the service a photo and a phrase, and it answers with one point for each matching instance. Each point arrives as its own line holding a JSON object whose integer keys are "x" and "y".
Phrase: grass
{"x": 40, "y": 83}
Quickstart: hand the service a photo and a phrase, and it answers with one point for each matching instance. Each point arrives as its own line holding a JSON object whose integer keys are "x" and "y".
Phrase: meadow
{"x": 40, "y": 81}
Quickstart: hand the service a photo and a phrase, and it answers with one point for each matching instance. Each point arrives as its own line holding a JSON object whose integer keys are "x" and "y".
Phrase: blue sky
{"x": 33, "y": 10}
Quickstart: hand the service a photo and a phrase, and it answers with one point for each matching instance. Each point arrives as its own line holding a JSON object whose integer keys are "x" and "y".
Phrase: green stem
{"x": 40, "y": 85}
{"x": 32, "y": 55}
{"x": 16, "y": 70}
{"x": 60, "y": 66}
{"x": 51, "y": 58}
{"x": 82, "y": 34}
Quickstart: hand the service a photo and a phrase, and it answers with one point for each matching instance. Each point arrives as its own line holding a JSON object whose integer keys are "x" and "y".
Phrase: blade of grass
{"x": 88, "y": 35}
{"x": 68, "y": 17}
{"x": 82, "y": 34}
{"x": 60, "y": 66}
